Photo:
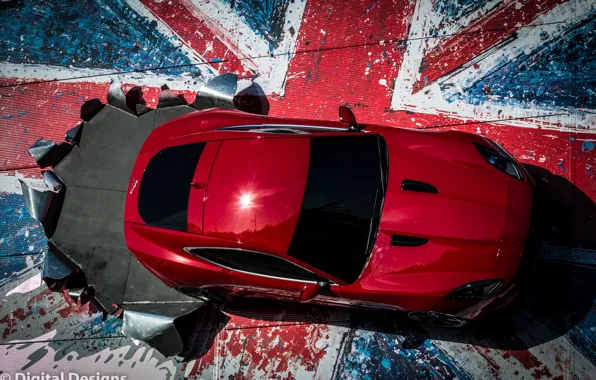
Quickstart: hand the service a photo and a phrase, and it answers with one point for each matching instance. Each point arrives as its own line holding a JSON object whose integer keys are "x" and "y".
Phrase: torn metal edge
{"x": 44, "y": 205}
{"x": 186, "y": 329}
{"x": 218, "y": 92}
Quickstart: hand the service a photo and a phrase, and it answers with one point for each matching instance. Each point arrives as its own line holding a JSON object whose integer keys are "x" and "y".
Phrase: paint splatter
{"x": 265, "y": 17}
{"x": 560, "y": 73}
{"x": 371, "y": 355}
{"x": 85, "y": 34}
{"x": 19, "y": 232}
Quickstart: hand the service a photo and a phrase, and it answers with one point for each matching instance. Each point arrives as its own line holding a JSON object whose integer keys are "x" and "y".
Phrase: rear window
{"x": 342, "y": 203}
{"x": 165, "y": 187}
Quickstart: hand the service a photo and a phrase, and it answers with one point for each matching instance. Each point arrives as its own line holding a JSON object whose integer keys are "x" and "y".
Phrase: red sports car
{"x": 225, "y": 204}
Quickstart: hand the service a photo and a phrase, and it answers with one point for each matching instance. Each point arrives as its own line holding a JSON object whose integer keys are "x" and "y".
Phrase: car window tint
{"x": 254, "y": 262}
{"x": 165, "y": 186}
{"x": 342, "y": 203}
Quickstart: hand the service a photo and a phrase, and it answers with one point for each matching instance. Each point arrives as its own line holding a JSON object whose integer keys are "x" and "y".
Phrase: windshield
{"x": 165, "y": 187}
{"x": 342, "y": 204}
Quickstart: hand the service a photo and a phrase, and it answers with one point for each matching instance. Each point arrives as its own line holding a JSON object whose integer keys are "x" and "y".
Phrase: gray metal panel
{"x": 163, "y": 115}
{"x": 109, "y": 145}
{"x": 105, "y": 268}
{"x": 92, "y": 216}
{"x": 107, "y": 272}
{"x": 143, "y": 286}
{"x": 89, "y": 234}
{"x": 90, "y": 229}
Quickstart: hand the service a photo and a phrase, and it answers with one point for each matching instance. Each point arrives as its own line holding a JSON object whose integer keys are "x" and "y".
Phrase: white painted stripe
{"x": 9, "y": 183}
{"x": 433, "y": 99}
{"x": 528, "y": 39}
{"x": 27, "y": 285}
{"x": 30, "y": 264}
{"x": 45, "y": 337}
{"x": 241, "y": 39}
{"x": 28, "y": 72}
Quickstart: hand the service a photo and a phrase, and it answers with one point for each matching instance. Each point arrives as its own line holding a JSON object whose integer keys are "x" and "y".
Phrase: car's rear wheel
{"x": 437, "y": 319}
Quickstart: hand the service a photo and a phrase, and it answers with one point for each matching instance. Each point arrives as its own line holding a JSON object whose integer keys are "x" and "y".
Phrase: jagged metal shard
{"x": 52, "y": 181}
{"x": 81, "y": 295}
{"x": 135, "y": 101}
{"x": 186, "y": 329}
{"x": 48, "y": 153}
{"x": 252, "y": 99}
{"x": 218, "y": 92}
{"x": 156, "y": 330}
{"x": 167, "y": 98}
{"x": 41, "y": 148}
{"x": 57, "y": 268}
{"x": 75, "y": 293}
{"x": 200, "y": 328}
{"x": 73, "y": 135}
{"x": 141, "y": 109}
{"x": 37, "y": 201}
{"x": 54, "y": 156}
{"x": 43, "y": 205}
{"x": 90, "y": 108}
{"x": 154, "y": 324}
{"x": 116, "y": 96}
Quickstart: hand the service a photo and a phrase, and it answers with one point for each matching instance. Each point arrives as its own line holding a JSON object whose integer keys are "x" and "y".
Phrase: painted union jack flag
{"x": 486, "y": 65}
{"x": 522, "y": 72}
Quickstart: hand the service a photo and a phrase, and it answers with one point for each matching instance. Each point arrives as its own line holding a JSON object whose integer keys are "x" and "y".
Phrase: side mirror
{"x": 311, "y": 290}
{"x": 346, "y": 116}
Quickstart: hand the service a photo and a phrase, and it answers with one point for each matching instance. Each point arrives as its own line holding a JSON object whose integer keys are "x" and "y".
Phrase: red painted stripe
{"x": 49, "y": 109}
{"x": 491, "y": 29}
{"x": 350, "y": 71}
{"x": 196, "y": 34}
{"x": 46, "y": 110}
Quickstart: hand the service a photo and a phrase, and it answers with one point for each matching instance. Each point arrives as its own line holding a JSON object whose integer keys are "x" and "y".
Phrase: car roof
{"x": 255, "y": 191}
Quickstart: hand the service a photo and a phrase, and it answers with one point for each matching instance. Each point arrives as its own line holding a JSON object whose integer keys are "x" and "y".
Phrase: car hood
{"x": 463, "y": 220}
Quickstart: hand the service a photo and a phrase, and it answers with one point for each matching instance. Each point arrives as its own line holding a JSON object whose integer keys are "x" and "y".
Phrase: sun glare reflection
{"x": 246, "y": 200}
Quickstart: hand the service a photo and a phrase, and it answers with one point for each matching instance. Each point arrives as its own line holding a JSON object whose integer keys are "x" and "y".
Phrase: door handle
{"x": 198, "y": 185}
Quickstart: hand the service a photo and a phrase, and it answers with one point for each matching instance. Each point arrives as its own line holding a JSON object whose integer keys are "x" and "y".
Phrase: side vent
{"x": 421, "y": 187}
{"x": 407, "y": 241}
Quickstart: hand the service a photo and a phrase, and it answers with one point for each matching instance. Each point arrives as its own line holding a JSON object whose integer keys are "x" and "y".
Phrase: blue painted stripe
{"x": 374, "y": 355}
{"x": 265, "y": 17}
{"x": 583, "y": 336}
{"x": 452, "y": 10}
{"x": 94, "y": 327}
{"x": 561, "y": 73}
{"x": 19, "y": 232}
{"x": 85, "y": 34}
{"x": 14, "y": 266}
